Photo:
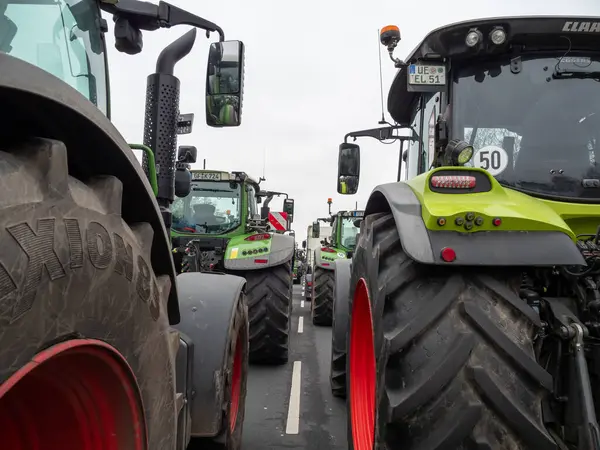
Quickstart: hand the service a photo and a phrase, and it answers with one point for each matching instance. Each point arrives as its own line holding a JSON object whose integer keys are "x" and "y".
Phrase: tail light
{"x": 327, "y": 250}
{"x": 260, "y": 261}
{"x": 258, "y": 237}
{"x": 453, "y": 181}
{"x": 309, "y": 283}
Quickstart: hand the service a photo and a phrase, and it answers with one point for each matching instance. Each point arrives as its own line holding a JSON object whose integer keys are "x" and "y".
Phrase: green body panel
{"x": 340, "y": 253}
{"x": 518, "y": 211}
{"x": 254, "y": 249}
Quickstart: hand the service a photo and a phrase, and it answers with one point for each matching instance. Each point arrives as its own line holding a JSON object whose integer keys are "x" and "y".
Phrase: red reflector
{"x": 327, "y": 249}
{"x": 258, "y": 237}
{"x": 325, "y": 264}
{"x": 309, "y": 283}
{"x": 261, "y": 261}
{"x": 497, "y": 221}
{"x": 453, "y": 181}
{"x": 448, "y": 254}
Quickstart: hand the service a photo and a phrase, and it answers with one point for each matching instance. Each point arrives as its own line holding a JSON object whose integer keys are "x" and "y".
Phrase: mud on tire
{"x": 269, "y": 293}
{"x": 455, "y": 367}
{"x": 70, "y": 267}
{"x": 322, "y": 307}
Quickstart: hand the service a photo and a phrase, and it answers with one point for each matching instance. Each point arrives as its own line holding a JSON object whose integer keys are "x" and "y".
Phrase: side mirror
{"x": 288, "y": 207}
{"x": 304, "y": 244}
{"x": 183, "y": 182}
{"x": 187, "y": 154}
{"x": 348, "y": 169}
{"x": 316, "y": 229}
{"x": 225, "y": 84}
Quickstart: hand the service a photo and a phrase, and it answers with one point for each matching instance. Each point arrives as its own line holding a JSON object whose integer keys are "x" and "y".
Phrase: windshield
{"x": 531, "y": 130}
{"x": 349, "y": 232}
{"x": 60, "y": 36}
{"x": 212, "y": 207}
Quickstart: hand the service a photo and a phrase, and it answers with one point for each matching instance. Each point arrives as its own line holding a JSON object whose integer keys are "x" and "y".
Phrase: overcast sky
{"x": 312, "y": 75}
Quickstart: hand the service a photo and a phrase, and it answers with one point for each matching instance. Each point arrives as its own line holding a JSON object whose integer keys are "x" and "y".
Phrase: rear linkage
{"x": 581, "y": 338}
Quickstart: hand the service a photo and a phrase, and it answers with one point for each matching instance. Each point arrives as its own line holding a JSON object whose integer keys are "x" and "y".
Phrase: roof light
{"x": 258, "y": 237}
{"x": 498, "y": 36}
{"x": 453, "y": 181}
{"x": 473, "y": 38}
{"x": 448, "y": 254}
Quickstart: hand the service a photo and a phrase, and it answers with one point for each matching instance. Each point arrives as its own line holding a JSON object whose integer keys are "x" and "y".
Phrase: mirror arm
{"x": 149, "y": 17}
{"x": 381, "y": 134}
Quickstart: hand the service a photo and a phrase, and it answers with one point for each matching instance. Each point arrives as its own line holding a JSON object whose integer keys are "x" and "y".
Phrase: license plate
{"x": 215, "y": 176}
{"x": 427, "y": 74}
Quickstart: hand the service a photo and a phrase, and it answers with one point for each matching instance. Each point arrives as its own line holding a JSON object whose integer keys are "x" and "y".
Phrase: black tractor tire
{"x": 341, "y": 305}
{"x": 72, "y": 268}
{"x": 453, "y": 350}
{"x": 230, "y": 437}
{"x": 322, "y": 303}
{"x": 269, "y": 293}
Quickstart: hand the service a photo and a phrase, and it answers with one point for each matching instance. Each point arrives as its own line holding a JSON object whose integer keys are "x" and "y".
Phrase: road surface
{"x": 291, "y": 406}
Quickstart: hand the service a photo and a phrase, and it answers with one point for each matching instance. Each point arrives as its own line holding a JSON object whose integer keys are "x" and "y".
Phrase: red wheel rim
{"x": 236, "y": 384}
{"x": 362, "y": 371}
{"x": 77, "y": 395}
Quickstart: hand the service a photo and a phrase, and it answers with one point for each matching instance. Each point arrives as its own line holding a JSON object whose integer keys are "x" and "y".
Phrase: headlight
{"x": 458, "y": 152}
{"x": 473, "y": 38}
{"x": 498, "y": 36}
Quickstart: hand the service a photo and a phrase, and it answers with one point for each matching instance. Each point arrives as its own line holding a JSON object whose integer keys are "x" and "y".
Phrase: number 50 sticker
{"x": 491, "y": 158}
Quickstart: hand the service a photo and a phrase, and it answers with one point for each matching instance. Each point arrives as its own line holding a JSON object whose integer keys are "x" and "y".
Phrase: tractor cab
{"x": 218, "y": 204}
{"x": 516, "y": 97}
{"x": 345, "y": 226}
{"x": 64, "y": 38}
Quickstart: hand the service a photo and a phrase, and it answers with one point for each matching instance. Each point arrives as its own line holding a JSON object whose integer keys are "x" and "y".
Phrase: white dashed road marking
{"x": 293, "y": 418}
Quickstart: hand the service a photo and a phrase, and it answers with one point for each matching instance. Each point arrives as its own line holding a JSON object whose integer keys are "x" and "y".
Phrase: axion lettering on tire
{"x": 73, "y": 274}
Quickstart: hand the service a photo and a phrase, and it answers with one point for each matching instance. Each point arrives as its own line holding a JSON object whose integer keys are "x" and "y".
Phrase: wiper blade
{"x": 211, "y": 190}
{"x": 575, "y": 74}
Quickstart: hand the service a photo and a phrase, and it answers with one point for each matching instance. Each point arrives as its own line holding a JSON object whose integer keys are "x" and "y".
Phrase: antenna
{"x": 382, "y": 121}
{"x": 264, "y": 162}
{"x": 204, "y": 165}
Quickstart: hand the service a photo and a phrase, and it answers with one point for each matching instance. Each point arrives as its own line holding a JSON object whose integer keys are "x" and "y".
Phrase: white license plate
{"x": 427, "y": 74}
{"x": 207, "y": 176}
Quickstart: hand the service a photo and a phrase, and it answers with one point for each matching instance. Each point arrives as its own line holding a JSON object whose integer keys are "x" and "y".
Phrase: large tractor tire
{"x": 322, "y": 303}
{"x": 439, "y": 358}
{"x": 269, "y": 293}
{"x": 87, "y": 351}
{"x": 341, "y": 304}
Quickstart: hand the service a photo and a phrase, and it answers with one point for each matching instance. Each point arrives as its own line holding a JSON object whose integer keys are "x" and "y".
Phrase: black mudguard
{"x": 493, "y": 248}
{"x": 341, "y": 304}
{"x": 208, "y": 305}
{"x": 39, "y": 104}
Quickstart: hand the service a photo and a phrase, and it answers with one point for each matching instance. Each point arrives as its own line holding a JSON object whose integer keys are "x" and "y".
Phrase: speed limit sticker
{"x": 491, "y": 158}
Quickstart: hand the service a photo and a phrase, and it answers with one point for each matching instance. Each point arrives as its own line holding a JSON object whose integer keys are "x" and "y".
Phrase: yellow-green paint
{"x": 518, "y": 211}
{"x": 253, "y": 249}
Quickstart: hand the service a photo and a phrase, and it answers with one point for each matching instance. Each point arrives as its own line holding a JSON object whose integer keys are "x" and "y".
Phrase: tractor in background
{"x": 472, "y": 297}
{"x": 89, "y": 295}
{"x": 218, "y": 227}
{"x": 344, "y": 228}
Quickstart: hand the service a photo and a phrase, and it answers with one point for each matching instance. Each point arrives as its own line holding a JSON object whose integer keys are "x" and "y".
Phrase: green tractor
{"x": 103, "y": 344}
{"x": 473, "y": 302}
{"x": 341, "y": 244}
{"x": 218, "y": 227}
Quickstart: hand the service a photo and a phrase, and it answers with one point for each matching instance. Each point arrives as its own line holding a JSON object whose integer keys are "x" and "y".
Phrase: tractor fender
{"x": 208, "y": 305}
{"x": 341, "y": 304}
{"x": 321, "y": 263}
{"x": 281, "y": 251}
{"x": 39, "y": 104}
{"x": 483, "y": 248}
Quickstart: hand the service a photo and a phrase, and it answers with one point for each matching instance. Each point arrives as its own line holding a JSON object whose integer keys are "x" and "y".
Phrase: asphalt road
{"x": 291, "y": 406}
